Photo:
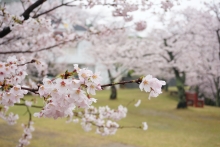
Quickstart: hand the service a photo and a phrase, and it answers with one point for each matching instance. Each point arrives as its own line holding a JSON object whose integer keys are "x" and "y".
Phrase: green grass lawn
{"x": 174, "y": 88}
{"x": 168, "y": 127}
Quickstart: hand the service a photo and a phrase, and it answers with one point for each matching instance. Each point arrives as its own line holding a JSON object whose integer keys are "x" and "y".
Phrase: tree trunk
{"x": 113, "y": 94}
{"x": 166, "y": 87}
{"x": 218, "y": 98}
{"x": 182, "y": 99}
{"x": 180, "y": 80}
{"x": 217, "y": 91}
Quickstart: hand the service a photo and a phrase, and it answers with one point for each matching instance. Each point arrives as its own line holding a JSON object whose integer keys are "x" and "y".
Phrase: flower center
{"x": 63, "y": 84}
{"x": 145, "y": 82}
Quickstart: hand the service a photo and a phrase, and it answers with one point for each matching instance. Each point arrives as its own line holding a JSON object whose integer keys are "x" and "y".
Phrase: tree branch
{"x": 32, "y": 61}
{"x": 26, "y": 15}
{"x": 138, "y": 81}
{"x": 45, "y": 12}
{"x": 31, "y": 90}
{"x": 43, "y": 49}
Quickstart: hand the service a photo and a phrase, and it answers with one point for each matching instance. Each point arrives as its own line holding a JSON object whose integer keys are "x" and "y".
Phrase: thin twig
{"x": 31, "y": 90}
{"x": 32, "y": 61}
{"x": 130, "y": 102}
{"x": 42, "y": 49}
{"x": 45, "y": 12}
{"x": 22, "y": 5}
{"x": 138, "y": 81}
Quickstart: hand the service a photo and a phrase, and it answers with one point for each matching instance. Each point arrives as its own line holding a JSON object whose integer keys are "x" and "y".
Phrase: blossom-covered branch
{"x": 25, "y": 15}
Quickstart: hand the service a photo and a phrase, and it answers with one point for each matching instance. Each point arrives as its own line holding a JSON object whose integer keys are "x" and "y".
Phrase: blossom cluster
{"x": 11, "y": 118}
{"x": 64, "y": 94}
{"x": 12, "y": 73}
{"x": 28, "y": 129}
{"x": 166, "y": 5}
{"x": 103, "y": 118}
{"x": 9, "y": 19}
{"x": 67, "y": 93}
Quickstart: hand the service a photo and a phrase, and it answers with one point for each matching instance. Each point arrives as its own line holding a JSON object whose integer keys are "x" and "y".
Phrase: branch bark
{"x": 138, "y": 81}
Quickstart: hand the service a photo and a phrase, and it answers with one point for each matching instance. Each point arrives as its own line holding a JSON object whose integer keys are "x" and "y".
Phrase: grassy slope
{"x": 168, "y": 127}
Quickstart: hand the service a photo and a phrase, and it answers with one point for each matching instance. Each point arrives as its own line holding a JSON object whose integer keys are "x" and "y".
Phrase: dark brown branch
{"x": 45, "y": 12}
{"x": 27, "y": 12}
{"x": 26, "y": 15}
{"x": 138, "y": 81}
{"x": 137, "y": 127}
{"x": 4, "y": 32}
{"x": 31, "y": 90}
{"x": 32, "y": 61}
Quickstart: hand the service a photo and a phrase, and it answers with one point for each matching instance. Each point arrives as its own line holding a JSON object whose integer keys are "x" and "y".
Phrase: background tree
{"x": 206, "y": 75}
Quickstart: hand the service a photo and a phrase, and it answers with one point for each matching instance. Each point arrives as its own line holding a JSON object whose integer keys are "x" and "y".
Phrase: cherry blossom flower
{"x": 109, "y": 128}
{"x": 11, "y": 118}
{"x": 145, "y": 83}
{"x": 152, "y": 85}
{"x": 91, "y": 87}
{"x": 96, "y": 78}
